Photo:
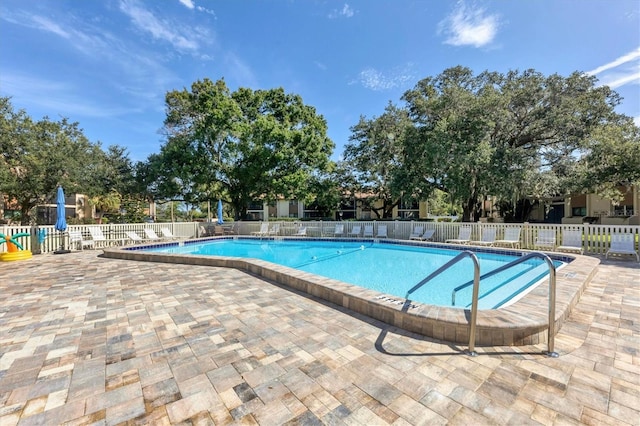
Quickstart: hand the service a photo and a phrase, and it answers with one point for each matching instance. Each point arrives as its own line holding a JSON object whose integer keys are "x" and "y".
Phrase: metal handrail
{"x": 552, "y": 292}
{"x": 476, "y": 287}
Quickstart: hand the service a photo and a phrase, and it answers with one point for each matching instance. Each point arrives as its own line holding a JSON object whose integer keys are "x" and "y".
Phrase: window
{"x": 578, "y": 211}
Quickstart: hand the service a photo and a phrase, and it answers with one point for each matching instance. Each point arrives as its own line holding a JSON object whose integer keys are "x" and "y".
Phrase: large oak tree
{"x": 239, "y": 146}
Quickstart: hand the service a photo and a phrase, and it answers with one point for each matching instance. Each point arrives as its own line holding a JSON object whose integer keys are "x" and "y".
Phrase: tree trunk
{"x": 24, "y": 214}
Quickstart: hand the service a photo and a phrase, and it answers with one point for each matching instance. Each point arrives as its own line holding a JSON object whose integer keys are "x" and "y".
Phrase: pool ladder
{"x": 476, "y": 288}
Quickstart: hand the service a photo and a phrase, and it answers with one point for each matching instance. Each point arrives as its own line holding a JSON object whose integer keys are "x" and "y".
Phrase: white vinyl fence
{"x": 596, "y": 238}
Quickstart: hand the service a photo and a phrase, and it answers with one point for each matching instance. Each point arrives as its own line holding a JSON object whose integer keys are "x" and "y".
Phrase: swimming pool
{"x": 388, "y": 268}
{"x": 524, "y": 322}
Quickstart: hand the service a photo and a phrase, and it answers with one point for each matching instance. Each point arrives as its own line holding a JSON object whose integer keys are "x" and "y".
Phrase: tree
{"x": 611, "y": 161}
{"x": 516, "y": 136}
{"x": 371, "y": 157}
{"x": 39, "y": 156}
{"x": 240, "y": 146}
{"x": 448, "y": 148}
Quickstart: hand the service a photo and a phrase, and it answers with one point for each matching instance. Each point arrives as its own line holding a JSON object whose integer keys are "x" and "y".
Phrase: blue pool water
{"x": 388, "y": 268}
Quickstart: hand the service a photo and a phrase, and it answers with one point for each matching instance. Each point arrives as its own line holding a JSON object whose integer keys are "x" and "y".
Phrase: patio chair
{"x": 264, "y": 230}
{"x": 382, "y": 231}
{"x": 218, "y": 230}
{"x": 546, "y": 239}
{"x": 487, "y": 239}
{"x": 426, "y": 235}
{"x": 416, "y": 233}
{"x": 368, "y": 231}
{"x": 133, "y": 236}
{"x": 301, "y": 232}
{"x": 355, "y": 231}
{"x": 511, "y": 237}
{"x": 75, "y": 238}
{"x": 339, "y": 231}
{"x": 97, "y": 236}
{"x": 275, "y": 230}
{"x": 151, "y": 235}
{"x": 166, "y": 233}
{"x": 203, "y": 232}
{"x": 623, "y": 244}
{"x": 571, "y": 241}
{"x": 464, "y": 236}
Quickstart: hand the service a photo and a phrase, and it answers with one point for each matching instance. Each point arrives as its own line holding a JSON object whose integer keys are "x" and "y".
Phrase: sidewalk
{"x": 89, "y": 340}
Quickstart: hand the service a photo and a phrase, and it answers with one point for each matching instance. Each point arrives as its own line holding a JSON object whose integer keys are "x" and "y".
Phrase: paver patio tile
{"x": 86, "y": 339}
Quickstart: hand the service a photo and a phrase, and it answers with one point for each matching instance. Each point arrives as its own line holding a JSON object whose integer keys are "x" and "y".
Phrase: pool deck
{"x": 86, "y": 339}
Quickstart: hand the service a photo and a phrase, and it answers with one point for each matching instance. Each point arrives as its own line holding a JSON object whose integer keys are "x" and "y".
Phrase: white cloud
{"x": 377, "y": 80}
{"x": 320, "y": 65}
{"x": 346, "y": 12}
{"x": 621, "y": 71}
{"x": 634, "y": 54}
{"x": 469, "y": 27}
{"x": 187, "y": 3}
{"x": 179, "y": 36}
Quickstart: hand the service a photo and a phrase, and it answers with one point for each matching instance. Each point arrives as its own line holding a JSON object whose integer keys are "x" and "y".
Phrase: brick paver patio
{"x": 90, "y": 340}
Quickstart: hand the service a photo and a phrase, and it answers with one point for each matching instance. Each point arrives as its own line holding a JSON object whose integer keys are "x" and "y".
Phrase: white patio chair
{"x": 426, "y": 235}
{"x": 264, "y": 230}
{"x": 97, "y": 236}
{"x": 382, "y": 231}
{"x": 151, "y": 235}
{"x": 355, "y": 231}
{"x": 416, "y": 233}
{"x": 546, "y": 239}
{"x": 339, "y": 231}
{"x": 464, "y": 236}
{"x": 75, "y": 238}
{"x": 571, "y": 241}
{"x": 487, "y": 239}
{"x": 368, "y": 231}
{"x": 623, "y": 244}
{"x": 511, "y": 237}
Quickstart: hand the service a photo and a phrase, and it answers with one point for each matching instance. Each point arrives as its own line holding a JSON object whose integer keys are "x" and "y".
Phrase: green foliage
{"x": 237, "y": 146}
{"x": 519, "y": 136}
{"x": 37, "y": 156}
{"x": 370, "y": 159}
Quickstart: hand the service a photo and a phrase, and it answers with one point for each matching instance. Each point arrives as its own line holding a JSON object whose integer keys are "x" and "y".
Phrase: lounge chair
{"x": 133, "y": 235}
{"x": 218, "y": 230}
{"x": 382, "y": 231}
{"x": 339, "y": 231}
{"x": 368, "y": 231}
{"x": 264, "y": 230}
{"x": 416, "y": 233}
{"x": 355, "y": 231}
{"x": 151, "y": 235}
{"x": 571, "y": 241}
{"x": 426, "y": 236}
{"x": 166, "y": 233}
{"x": 464, "y": 236}
{"x": 75, "y": 238}
{"x": 511, "y": 237}
{"x": 301, "y": 232}
{"x": 546, "y": 239}
{"x": 97, "y": 236}
{"x": 623, "y": 244}
{"x": 275, "y": 230}
{"x": 487, "y": 239}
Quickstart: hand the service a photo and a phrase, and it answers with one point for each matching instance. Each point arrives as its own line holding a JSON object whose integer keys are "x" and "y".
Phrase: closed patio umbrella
{"x": 61, "y": 221}
{"x": 220, "y": 220}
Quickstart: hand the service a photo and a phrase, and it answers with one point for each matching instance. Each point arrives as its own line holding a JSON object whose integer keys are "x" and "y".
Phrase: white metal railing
{"x": 596, "y": 239}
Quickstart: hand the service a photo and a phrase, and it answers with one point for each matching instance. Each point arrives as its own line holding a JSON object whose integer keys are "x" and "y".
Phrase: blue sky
{"x": 108, "y": 64}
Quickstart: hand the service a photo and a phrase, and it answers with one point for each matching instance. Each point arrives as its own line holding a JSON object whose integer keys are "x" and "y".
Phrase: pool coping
{"x": 525, "y": 322}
